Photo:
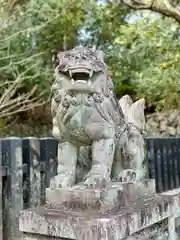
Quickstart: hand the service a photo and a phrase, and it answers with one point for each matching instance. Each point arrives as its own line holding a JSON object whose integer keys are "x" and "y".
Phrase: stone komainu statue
{"x": 99, "y": 138}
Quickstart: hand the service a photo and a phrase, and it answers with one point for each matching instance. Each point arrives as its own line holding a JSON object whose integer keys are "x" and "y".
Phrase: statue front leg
{"x": 102, "y": 159}
{"x": 67, "y": 159}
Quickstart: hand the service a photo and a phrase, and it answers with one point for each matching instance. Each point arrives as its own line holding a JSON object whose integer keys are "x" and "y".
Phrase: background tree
{"x": 149, "y": 53}
{"x": 29, "y": 33}
{"x": 143, "y": 56}
{"x": 141, "y": 49}
{"x": 160, "y": 6}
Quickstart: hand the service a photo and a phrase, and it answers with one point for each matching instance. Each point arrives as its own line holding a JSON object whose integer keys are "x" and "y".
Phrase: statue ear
{"x": 100, "y": 55}
{"x": 57, "y": 58}
{"x": 125, "y": 103}
{"x": 136, "y": 113}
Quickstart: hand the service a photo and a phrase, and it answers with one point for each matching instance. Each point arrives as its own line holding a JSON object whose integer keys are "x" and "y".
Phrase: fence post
{"x": 176, "y": 153}
{"x": 150, "y": 157}
{"x": 48, "y": 156}
{"x": 31, "y": 156}
{"x": 171, "y": 228}
{"x": 158, "y": 164}
{"x": 13, "y": 187}
{"x": 164, "y": 150}
{"x": 1, "y": 179}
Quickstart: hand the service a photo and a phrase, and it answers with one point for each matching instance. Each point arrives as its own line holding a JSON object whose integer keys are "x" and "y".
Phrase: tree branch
{"x": 22, "y": 109}
{"x": 11, "y": 104}
{"x": 159, "y": 6}
{"x": 22, "y": 105}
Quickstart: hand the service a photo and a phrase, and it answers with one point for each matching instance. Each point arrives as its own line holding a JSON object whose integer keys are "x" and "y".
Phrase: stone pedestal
{"x": 114, "y": 195}
{"x": 97, "y": 214}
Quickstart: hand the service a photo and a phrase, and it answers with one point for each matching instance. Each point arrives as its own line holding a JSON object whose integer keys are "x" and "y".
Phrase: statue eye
{"x": 62, "y": 65}
{"x": 57, "y": 99}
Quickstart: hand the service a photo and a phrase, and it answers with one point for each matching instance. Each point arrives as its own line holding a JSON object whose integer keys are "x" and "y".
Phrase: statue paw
{"x": 128, "y": 175}
{"x": 62, "y": 181}
{"x": 96, "y": 181}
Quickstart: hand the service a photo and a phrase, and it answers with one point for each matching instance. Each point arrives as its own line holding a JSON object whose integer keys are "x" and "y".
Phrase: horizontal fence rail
{"x": 28, "y": 164}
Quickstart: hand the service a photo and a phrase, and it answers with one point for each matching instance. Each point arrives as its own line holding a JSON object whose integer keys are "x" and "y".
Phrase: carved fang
{"x": 89, "y": 83}
{"x": 90, "y": 74}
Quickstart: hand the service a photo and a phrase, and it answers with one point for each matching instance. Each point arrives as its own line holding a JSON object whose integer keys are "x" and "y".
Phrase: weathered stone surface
{"x": 156, "y": 231}
{"x": 116, "y": 194}
{"x": 13, "y": 195}
{"x": 31, "y": 147}
{"x": 163, "y": 123}
{"x": 171, "y": 131}
{"x": 87, "y": 225}
{"x": 178, "y": 127}
{"x": 173, "y": 117}
{"x": 152, "y": 123}
{"x": 39, "y": 237}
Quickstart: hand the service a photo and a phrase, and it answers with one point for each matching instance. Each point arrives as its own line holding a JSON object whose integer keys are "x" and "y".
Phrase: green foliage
{"x": 103, "y": 23}
{"x": 29, "y": 35}
{"x": 149, "y": 56}
{"x": 143, "y": 58}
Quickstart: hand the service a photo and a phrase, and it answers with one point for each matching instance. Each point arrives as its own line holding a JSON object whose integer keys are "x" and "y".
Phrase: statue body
{"x": 95, "y": 132}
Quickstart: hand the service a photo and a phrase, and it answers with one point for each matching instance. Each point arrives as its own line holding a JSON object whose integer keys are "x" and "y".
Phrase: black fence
{"x": 163, "y": 159}
{"x": 28, "y": 164}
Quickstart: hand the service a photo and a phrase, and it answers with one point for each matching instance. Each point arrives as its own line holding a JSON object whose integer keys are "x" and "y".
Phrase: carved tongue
{"x": 81, "y": 81}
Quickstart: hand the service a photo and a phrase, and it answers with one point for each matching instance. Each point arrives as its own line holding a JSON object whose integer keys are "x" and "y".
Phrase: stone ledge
{"x": 87, "y": 225}
{"x": 40, "y": 237}
{"x": 116, "y": 194}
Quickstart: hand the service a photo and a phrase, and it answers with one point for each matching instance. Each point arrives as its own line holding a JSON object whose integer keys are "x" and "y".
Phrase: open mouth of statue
{"x": 81, "y": 80}
{"x": 80, "y": 75}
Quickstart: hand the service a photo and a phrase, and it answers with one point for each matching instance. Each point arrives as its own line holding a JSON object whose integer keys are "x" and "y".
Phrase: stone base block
{"x": 119, "y": 223}
{"x": 116, "y": 194}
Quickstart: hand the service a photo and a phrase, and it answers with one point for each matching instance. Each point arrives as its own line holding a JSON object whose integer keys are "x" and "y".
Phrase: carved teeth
{"x": 72, "y": 81}
{"x": 89, "y": 83}
{"x": 70, "y": 73}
